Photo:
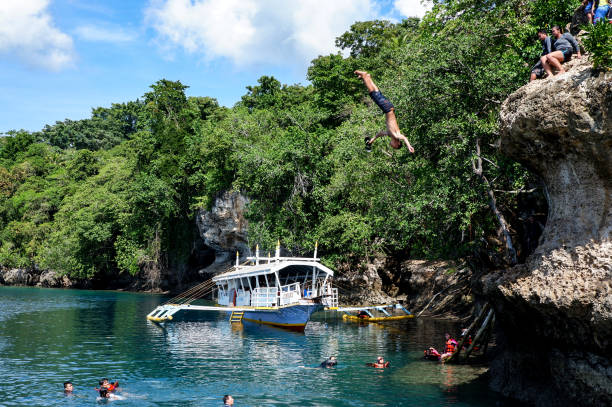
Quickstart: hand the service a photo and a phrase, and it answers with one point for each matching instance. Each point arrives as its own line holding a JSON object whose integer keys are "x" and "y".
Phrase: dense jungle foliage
{"x": 118, "y": 192}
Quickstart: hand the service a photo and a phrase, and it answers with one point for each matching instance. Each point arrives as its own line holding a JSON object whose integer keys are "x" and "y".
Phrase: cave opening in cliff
{"x": 201, "y": 256}
{"x": 530, "y": 219}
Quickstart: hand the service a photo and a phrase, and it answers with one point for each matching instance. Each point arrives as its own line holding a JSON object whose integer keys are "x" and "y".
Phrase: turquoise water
{"x": 48, "y": 336}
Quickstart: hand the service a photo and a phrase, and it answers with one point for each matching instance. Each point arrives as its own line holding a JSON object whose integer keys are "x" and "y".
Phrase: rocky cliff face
{"x": 555, "y": 311}
{"x": 429, "y": 287}
{"x": 224, "y": 229}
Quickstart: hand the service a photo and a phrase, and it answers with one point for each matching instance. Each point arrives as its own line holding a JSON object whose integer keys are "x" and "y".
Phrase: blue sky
{"x": 60, "y": 58}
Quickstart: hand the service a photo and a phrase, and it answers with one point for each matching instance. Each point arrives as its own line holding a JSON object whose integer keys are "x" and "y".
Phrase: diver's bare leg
{"x": 367, "y": 80}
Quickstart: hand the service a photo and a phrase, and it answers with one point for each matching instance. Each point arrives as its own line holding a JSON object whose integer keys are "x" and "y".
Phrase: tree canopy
{"x": 119, "y": 190}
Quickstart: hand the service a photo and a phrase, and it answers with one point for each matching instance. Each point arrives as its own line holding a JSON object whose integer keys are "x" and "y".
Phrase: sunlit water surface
{"x": 48, "y": 336}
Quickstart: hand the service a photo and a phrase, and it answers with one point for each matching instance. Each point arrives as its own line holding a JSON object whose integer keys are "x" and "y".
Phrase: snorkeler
{"x": 329, "y": 362}
{"x": 393, "y": 130}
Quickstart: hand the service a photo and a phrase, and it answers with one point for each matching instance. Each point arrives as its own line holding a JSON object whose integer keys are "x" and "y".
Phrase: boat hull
{"x": 294, "y": 317}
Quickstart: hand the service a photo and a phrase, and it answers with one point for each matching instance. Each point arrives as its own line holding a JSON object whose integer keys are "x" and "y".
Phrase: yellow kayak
{"x": 347, "y": 317}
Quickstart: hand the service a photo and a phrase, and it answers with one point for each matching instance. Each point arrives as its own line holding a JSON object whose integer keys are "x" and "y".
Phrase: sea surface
{"x": 48, "y": 336}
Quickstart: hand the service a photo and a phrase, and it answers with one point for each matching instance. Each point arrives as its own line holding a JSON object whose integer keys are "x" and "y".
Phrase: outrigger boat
{"x": 280, "y": 291}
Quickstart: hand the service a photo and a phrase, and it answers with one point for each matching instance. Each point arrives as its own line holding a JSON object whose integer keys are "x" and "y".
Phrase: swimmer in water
{"x": 329, "y": 362}
{"x": 68, "y": 388}
{"x": 106, "y": 394}
{"x": 228, "y": 400}
{"x": 380, "y": 363}
{"x": 104, "y": 383}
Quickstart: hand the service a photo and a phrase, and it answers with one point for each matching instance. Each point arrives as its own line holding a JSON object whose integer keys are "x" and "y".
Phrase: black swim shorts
{"x": 381, "y": 101}
{"x": 567, "y": 54}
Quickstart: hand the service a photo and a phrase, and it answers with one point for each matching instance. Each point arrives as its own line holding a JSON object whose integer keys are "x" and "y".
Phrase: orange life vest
{"x": 451, "y": 346}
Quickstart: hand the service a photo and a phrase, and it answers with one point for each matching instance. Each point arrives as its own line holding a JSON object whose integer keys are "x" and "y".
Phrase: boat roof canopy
{"x": 272, "y": 267}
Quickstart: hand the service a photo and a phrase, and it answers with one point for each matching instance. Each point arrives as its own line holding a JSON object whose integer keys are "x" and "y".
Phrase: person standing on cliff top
{"x": 388, "y": 109}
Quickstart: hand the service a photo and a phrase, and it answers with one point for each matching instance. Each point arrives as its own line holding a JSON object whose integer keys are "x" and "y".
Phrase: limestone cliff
{"x": 223, "y": 229}
{"x": 555, "y": 311}
{"x": 439, "y": 288}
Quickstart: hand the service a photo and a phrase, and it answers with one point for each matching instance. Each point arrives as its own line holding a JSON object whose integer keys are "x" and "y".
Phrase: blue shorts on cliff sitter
{"x": 381, "y": 101}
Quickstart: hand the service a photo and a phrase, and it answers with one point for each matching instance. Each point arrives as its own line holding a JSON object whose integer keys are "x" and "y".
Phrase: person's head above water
{"x": 68, "y": 387}
{"x": 228, "y": 400}
{"x": 447, "y": 336}
{"x": 104, "y": 393}
{"x": 380, "y": 359}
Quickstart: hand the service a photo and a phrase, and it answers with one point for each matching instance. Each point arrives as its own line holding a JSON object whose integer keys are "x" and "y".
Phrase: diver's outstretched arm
{"x": 405, "y": 140}
{"x": 379, "y": 134}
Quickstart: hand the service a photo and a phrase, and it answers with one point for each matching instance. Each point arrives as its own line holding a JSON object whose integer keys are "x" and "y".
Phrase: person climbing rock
{"x": 388, "y": 109}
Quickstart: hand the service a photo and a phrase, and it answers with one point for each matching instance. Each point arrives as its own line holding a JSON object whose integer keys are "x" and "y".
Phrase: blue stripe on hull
{"x": 295, "y": 316}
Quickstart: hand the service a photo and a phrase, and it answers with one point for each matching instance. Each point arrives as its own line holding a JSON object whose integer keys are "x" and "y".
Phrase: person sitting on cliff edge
{"x": 564, "y": 46}
{"x": 388, "y": 109}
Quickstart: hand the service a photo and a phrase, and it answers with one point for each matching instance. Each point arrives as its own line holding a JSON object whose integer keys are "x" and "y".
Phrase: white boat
{"x": 280, "y": 291}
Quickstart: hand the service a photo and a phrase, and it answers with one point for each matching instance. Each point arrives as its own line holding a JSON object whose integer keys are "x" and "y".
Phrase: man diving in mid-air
{"x": 393, "y": 130}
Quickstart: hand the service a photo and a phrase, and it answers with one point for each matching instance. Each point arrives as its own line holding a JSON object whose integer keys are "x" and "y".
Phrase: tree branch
{"x": 517, "y": 191}
{"x": 477, "y": 167}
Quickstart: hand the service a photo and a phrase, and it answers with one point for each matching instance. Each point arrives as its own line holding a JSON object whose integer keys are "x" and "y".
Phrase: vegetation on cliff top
{"x": 118, "y": 191}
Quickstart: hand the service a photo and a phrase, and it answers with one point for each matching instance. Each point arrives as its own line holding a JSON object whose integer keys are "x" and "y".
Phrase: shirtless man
{"x": 393, "y": 130}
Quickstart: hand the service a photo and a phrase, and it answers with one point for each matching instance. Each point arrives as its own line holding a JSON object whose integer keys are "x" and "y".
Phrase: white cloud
{"x": 412, "y": 8}
{"x": 252, "y": 31}
{"x": 104, "y": 33}
{"x": 27, "y": 33}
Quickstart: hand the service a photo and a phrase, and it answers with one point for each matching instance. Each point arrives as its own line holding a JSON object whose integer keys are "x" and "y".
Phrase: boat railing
{"x": 331, "y": 297}
{"x": 264, "y": 297}
{"x": 223, "y": 298}
{"x": 243, "y": 298}
{"x": 290, "y": 294}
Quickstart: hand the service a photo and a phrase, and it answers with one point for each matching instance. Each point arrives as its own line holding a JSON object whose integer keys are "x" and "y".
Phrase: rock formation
{"x": 554, "y": 312}
{"x": 433, "y": 287}
{"x": 224, "y": 229}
